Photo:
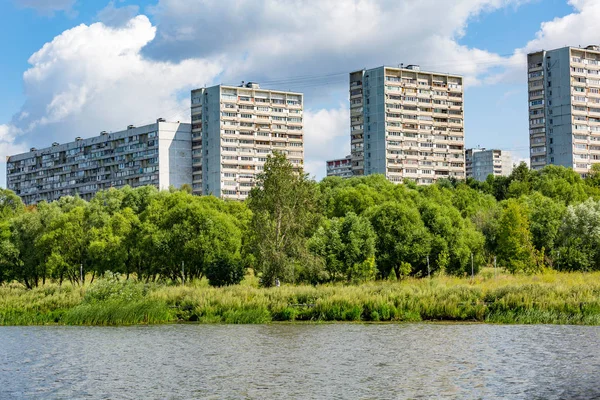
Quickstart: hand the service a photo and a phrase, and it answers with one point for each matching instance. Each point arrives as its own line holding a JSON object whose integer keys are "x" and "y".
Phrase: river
{"x": 301, "y": 361}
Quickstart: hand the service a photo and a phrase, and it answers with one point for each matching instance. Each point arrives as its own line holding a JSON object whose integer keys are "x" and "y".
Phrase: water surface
{"x": 300, "y": 361}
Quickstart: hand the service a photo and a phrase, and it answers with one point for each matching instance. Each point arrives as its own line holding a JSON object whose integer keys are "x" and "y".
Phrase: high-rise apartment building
{"x": 407, "y": 123}
{"x": 157, "y": 154}
{"x": 564, "y": 107}
{"x": 341, "y": 167}
{"x": 235, "y": 128}
{"x": 481, "y": 162}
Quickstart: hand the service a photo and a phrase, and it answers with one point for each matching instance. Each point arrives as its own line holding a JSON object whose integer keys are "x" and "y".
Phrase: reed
{"x": 549, "y": 298}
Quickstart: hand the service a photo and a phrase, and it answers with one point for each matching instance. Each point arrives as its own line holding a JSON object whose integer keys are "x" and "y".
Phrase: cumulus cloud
{"x": 124, "y": 70}
{"x": 286, "y": 38}
{"x": 93, "y": 78}
{"x": 7, "y": 145}
{"x": 312, "y": 46}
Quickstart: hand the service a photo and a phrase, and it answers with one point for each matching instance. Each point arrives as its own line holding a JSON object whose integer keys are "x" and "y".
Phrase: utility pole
{"x": 558, "y": 262}
{"x": 183, "y": 272}
{"x": 81, "y": 273}
{"x": 428, "y": 270}
{"x": 494, "y": 266}
{"x": 472, "y": 270}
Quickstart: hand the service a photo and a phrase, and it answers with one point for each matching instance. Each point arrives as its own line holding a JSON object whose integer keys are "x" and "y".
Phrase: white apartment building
{"x": 481, "y": 162}
{"x": 564, "y": 107}
{"x": 158, "y": 154}
{"x": 341, "y": 167}
{"x": 407, "y": 123}
{"x": 235, "y": 128}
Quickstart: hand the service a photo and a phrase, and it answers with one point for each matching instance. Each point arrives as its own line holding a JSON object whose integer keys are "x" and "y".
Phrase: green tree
{"x": 454, "y": 239}
{"x": 579, "y": 240}
{"x": 66, "y": 241}
{"x": 225, "y": 271}
{"x": 10, "y": 204}
{"x": 182, "y": 232}
{"x": 401, "y": 238}
{"x": 347, "y": 246}
{"x": 515, "y": 247}
{"x": 283, "y": 203}
{"x": 545, "y": 216}
{"x": 22, "y": 253}
{"x": 108, "y": 247}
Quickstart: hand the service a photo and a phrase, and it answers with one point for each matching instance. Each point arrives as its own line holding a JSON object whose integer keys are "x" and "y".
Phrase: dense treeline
{"x": 296, "y": 230}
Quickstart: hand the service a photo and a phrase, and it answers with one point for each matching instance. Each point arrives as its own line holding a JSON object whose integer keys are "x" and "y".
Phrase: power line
{"x": 306, "y": 79}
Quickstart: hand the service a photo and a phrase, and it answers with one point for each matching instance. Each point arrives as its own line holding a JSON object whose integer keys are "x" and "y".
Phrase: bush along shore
{"x": 549, "y": 298}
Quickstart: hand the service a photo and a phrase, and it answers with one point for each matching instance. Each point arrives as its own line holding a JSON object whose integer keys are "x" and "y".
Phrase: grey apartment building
{"x": 158, "y": 154}
{"x": 564, "y": 107}
{"x": 235, "y": 128}
{"x": 407, "y": 123}
{"x": 341, "y": 167}
{"x": 481, "y": 162}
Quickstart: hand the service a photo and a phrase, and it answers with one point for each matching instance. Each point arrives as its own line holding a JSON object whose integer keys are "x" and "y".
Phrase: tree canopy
{"x": 294, "y": 229}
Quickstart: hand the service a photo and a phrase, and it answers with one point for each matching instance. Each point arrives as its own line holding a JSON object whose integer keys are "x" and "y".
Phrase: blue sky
{"x": 73, "y": 68}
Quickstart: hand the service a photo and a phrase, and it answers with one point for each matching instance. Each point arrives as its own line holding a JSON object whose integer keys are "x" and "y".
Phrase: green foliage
{"x": 401, "y": 238}
{"x": 225, "y": 271}
{"x": 283, "y": 205}
{"x": 579, "y": 241}
{"x": 515, "y": 248}
{"x": 347, "y": 248}
{"x": 300, "y": 231}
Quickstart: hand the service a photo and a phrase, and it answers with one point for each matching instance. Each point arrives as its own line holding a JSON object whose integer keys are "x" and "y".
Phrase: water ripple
{"x": 296, "y": 361}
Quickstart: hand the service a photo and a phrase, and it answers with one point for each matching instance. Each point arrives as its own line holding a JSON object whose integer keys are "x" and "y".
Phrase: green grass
{"x": 549, "y": 298}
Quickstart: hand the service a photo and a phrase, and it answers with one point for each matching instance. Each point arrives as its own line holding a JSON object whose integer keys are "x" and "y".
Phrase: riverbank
{"x": 551, "y": 298}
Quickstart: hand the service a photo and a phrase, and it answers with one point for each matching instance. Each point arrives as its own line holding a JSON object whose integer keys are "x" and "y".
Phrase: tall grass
{"x": 557, "y": 298}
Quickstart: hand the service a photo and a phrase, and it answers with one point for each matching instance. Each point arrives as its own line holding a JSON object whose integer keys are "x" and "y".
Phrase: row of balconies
{"x": 102, "y": 162}
{"x": 280, "y": 103}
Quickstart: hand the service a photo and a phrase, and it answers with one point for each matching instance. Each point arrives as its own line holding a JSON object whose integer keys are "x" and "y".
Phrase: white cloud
{"x": 326, "y": 136}
{"x": 93, "y": 77}
{"x": 7, "y": 137}
{"x": 286, "y": 38}
{"x": 578, "y": 28}
{"x": 119, "y": 71}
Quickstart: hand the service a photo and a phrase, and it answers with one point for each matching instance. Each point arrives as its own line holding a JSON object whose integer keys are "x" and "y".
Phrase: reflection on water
{"x": 300, "y": 361}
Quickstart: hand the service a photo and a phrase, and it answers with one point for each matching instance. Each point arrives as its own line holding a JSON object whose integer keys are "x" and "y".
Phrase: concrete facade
{"x": 564, "y": 107}
{"x": 481, "y": 162}
{"x": 235, "y": 128}
{"x": 407, "y": 123}
{"x": 158, "y": 154}
{"x": 341, "y": 167}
